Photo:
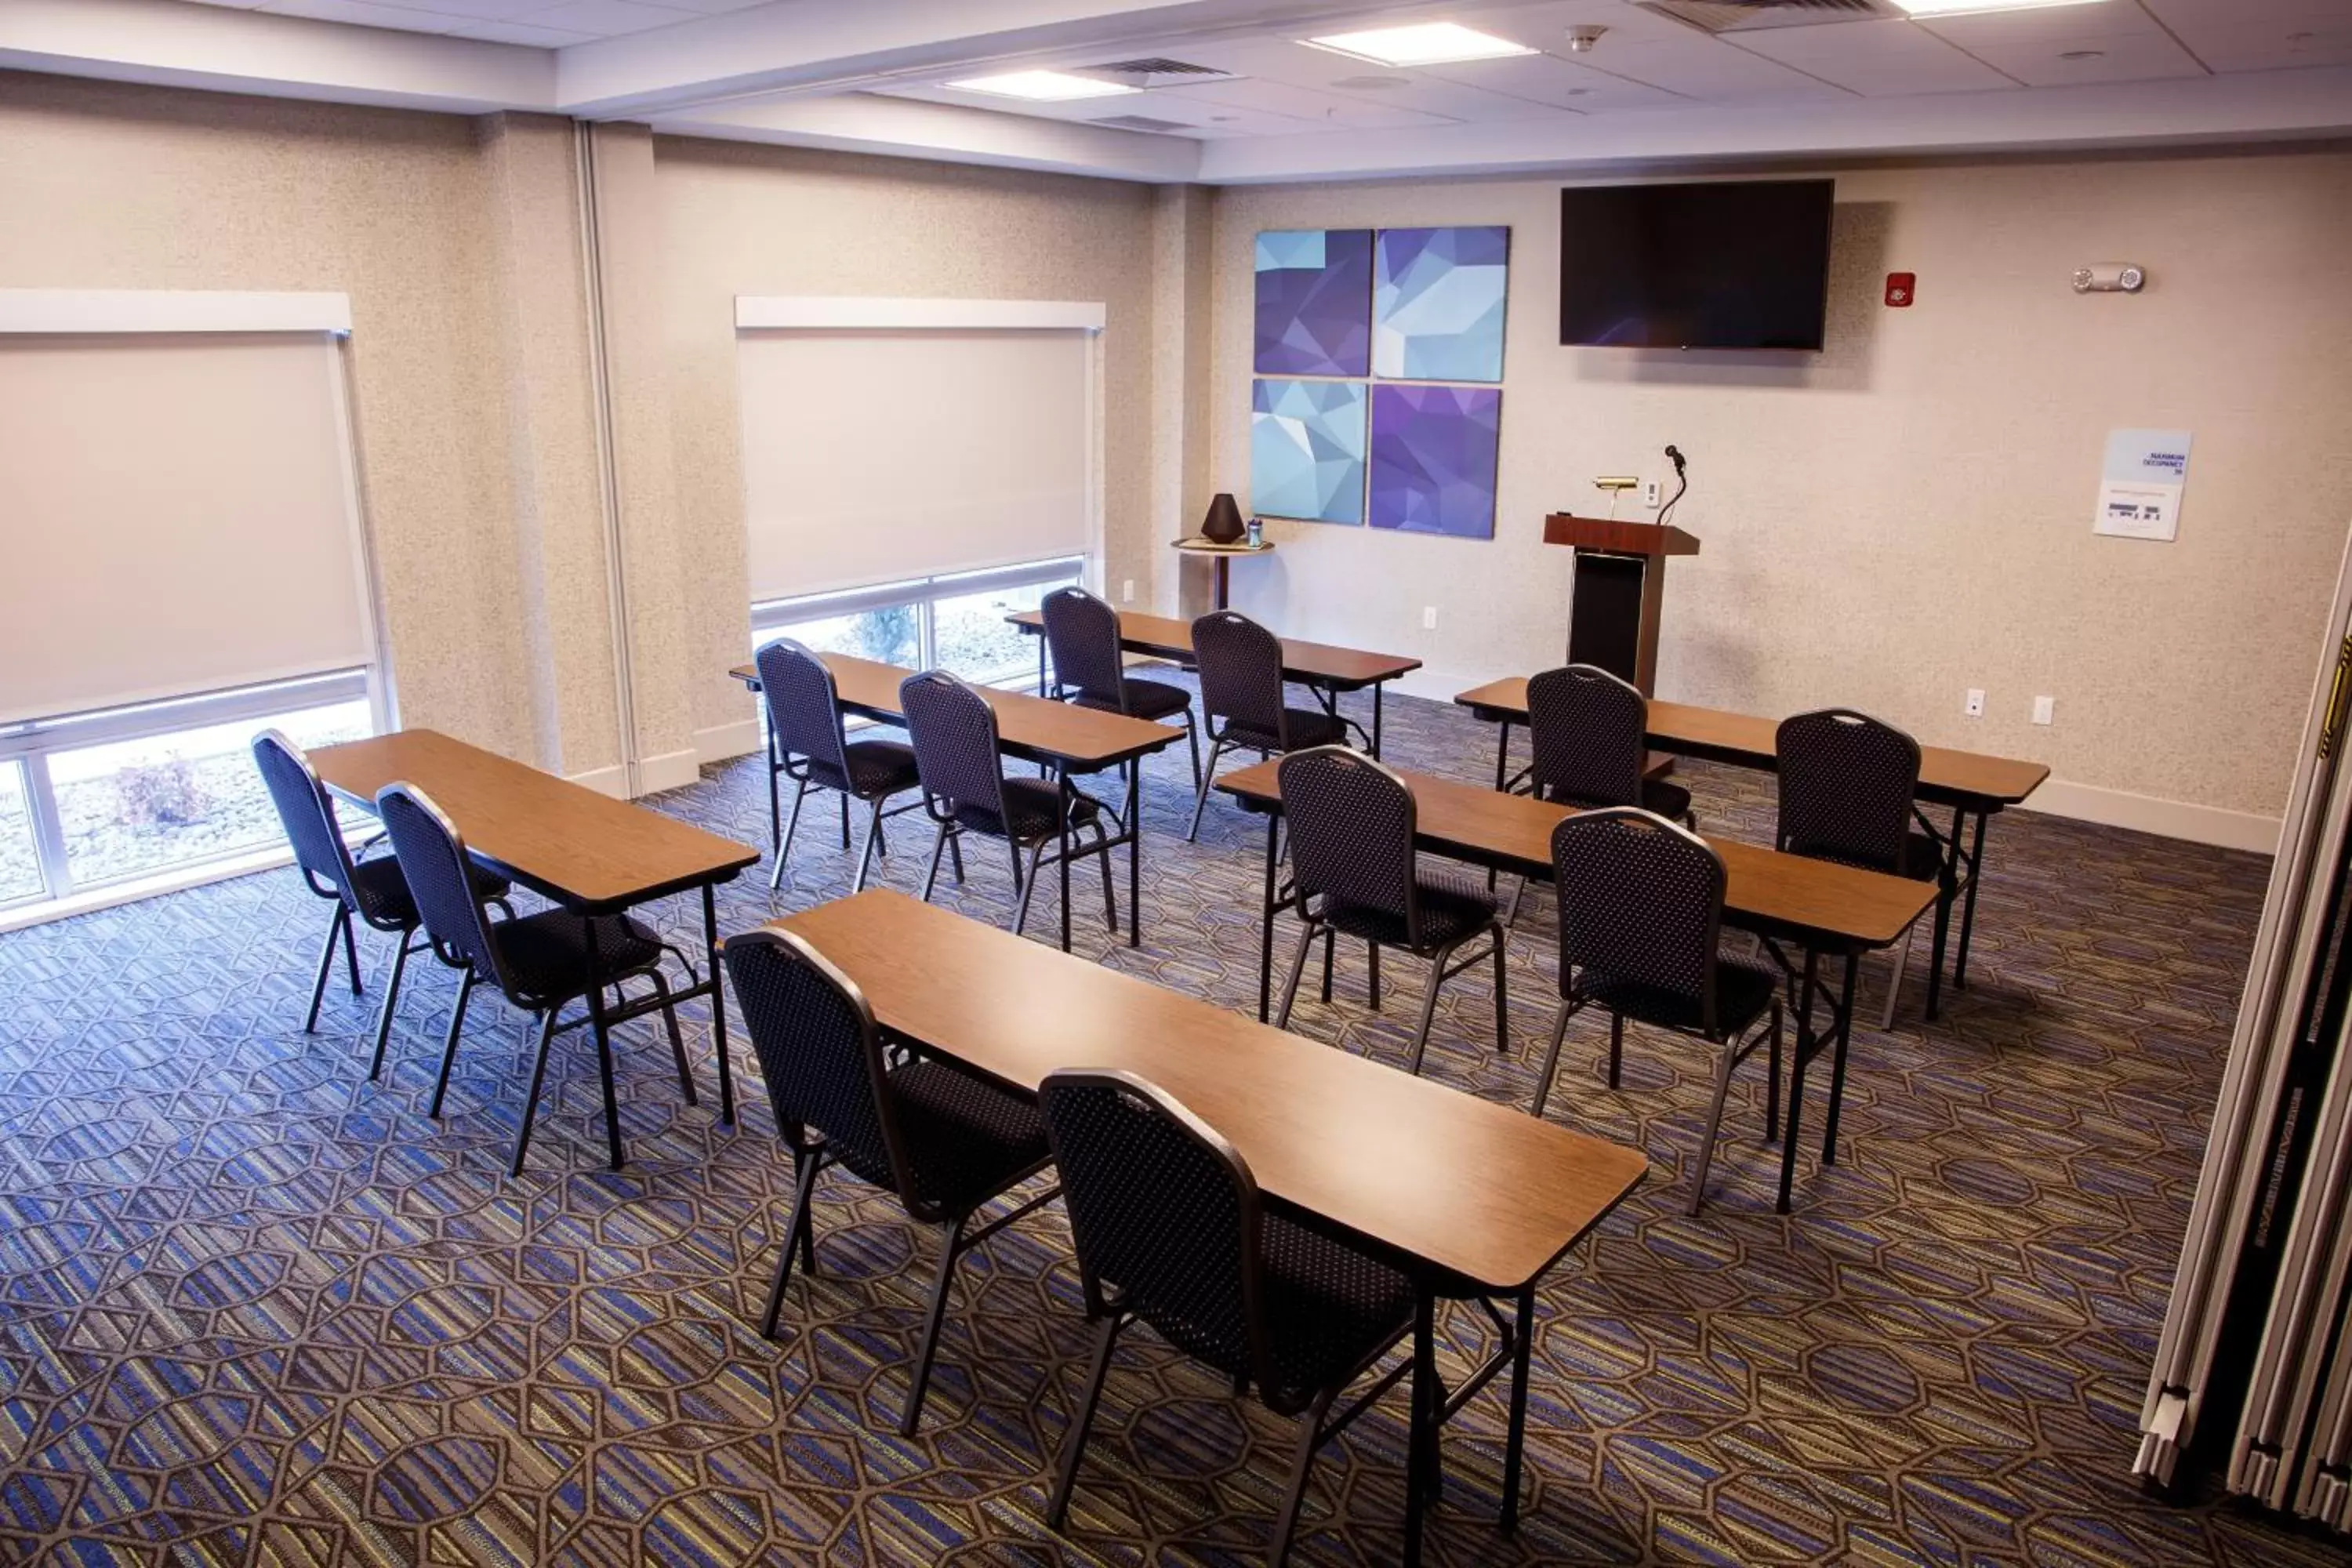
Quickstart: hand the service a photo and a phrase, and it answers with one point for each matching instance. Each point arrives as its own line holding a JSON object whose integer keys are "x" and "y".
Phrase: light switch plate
{"x": 2045, "y": 709}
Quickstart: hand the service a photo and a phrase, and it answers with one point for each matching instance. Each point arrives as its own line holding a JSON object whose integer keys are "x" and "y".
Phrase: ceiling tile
{"x": 1546, "y": 78}
{"x": 608, "y": 18}
{"x": 1313, "y": 110}
{"x": 1701, "y": 67}
{"x": 2064, "y": 24}
{"x": 464, "y": 11}
{"x": 359, "y": 13}
{"x": 522, "y": 33}
{"x": 2152, "y": 58}
{"x": 1877, "y": 59}
{"x": 2260, "y": 34}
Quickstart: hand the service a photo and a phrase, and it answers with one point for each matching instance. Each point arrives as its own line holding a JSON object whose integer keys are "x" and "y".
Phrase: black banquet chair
{"x": 1847, "y": 787}
{"x": 541, "y": 963}
{"x": 1090, "y": 669}
{"x": 1640, "y": 921}
{"x": 1586, "y": 729}
{"x": 1354, "y": 871}
{"x": 365, "y": 892}
{"x": 1169, "y": 1230}
{"x": 966, "y": 789}
{"x": 946, "y": 1143}
{"x": 813, "y": 750}
{"x": 1240, "y": 664}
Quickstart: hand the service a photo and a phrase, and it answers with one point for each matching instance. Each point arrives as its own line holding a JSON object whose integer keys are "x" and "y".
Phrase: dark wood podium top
{"x": 1620, "y": 538}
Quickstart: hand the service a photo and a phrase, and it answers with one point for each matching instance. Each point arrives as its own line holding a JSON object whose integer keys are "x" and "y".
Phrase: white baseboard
{"x": 612, "y": 781}
{"x": 130, "y": 892}
{"x": 2172, "y": 818}
{"x": 669, "y": 770}
{"x": 722, "y": 742}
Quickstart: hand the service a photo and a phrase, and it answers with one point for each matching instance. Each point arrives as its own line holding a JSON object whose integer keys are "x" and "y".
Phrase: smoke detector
{"x": 1581, "y": 40}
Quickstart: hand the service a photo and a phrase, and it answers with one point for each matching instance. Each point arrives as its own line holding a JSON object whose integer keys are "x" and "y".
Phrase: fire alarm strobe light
{"x": 1902, "y": 287}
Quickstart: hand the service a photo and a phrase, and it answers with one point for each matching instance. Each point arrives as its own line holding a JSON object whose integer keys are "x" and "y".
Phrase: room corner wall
{"x": 1183, "y": 258}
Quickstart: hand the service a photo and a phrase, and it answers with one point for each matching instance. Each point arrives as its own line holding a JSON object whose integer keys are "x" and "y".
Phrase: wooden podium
{"x": 1621, "y": 585}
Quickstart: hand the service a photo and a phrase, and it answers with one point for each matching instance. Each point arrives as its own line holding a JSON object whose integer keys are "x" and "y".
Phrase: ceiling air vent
{"x": 1141, "y": 122}
{"x": 1745, "y": 15}
{"x": 1157, "y": 71}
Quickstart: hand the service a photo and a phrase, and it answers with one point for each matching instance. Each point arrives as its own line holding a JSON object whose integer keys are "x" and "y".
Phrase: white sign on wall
{"x": 2139, "y": 490}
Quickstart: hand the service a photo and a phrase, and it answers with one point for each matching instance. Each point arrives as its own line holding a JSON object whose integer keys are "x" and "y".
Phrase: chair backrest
{"x": 1241, "y": 672}
{"x": 954, "y": 731}
{"x": 308, "y": 815}
{"x": 1351, "y": 822}
{"x": 819, "y": 1051}
{"x": 1641, "y": 902}
{"x": 433, "y": 863}
{"x": 1846, "y": 787}
{"x": 1082, "y": 632}
{"x": 1587, "y": 726}
{"x": 1164, "y": 1211}
{"x": 804, "y": 703}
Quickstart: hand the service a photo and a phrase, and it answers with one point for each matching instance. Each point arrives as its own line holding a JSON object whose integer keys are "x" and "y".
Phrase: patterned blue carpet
{"x": 255, "y": 1309}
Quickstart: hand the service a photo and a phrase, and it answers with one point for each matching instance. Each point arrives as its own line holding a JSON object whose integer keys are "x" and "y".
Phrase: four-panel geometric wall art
{"x": 1408, "y": 307}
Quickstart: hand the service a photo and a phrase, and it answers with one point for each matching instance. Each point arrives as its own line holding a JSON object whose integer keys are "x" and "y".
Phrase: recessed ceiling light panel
{"x": 1422, "y": 43}
{"x": 1042, "y": 86}
{"x": 1966, "y": 7}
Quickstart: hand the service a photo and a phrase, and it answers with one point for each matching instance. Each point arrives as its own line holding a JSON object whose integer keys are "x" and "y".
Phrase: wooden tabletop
{"x": 1830, "y": 907}
{"x": 585, "y": 850}
{"x": 1200, "y": 546}
{"x": 1486, "y": 1191}
{"x": 1309, "y": 663}
{"x": 1743, "y": 741}
{"x": 1027, "y": 726}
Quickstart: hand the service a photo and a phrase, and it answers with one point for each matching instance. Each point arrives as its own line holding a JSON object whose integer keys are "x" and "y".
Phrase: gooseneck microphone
{"x": 1681, "y": 476}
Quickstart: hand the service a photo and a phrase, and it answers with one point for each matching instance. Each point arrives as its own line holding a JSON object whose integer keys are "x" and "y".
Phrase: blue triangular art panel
{"x": 1306, "y": 450}
{"x": 1315, "y": 301}
{"x": 1437, "y": 303}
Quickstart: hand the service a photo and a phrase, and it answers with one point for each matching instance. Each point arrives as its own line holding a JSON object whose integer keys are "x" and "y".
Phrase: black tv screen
{"x": 1740, "y": 265}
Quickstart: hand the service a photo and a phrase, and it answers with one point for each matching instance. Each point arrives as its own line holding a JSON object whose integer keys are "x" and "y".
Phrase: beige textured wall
{"x": 107, "y": 186}
{"x": 742, "y": 219}
{"x": 1908, "y": 514}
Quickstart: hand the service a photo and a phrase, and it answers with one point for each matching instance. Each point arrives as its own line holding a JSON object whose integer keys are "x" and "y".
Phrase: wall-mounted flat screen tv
{"x": 1735, "y": 264}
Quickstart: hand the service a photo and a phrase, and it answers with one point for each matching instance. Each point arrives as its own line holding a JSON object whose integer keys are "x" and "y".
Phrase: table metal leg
{"x": 1420, "y": 1433}
{"x": 1378, "y": 687}
{"x": 1968, "y": 907}
{"x": 1135, "y": 852}
{"x": 1796, "y": 1059}
{"x": 1843, "y": 1017}
{"x": 1041, "y": 666}
{"x": 1503, "y": 757}
{"x": 1515, "y": 1445}
{"x": 1266, "y": 921}
{"x": 1947, "y": 888}
{"x": 604, "y": 1043}
{"x": 775, "y": 805}
{"x": 717, "y": 1007}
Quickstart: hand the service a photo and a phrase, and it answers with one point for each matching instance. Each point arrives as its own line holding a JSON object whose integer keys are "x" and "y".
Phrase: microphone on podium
{"x": 1681, "y": 476}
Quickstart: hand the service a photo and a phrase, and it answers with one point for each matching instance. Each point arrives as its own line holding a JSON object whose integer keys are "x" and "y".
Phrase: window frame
{"x": 31, "y": 742}
{"x": 773, "y": 617}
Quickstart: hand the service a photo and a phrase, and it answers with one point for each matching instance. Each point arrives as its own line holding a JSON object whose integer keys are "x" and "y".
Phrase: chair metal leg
{"x": 805, "y": 1163}
{"x": 1552, "y": 1057}
{"x": 326, "y": 963}
{"x": 1192, "y": 744}
{"x": 1616, "y": 1046}
{"x": 1428, "y": 1008}
{"x": 1895, "y": 977}
{"x": 1730, "y": 1055}
{"x": 449, "y": 1045}
{"x": 1330, "y": 954}
{"x": 351, "y": 951}
{"x": 785, "y": 844}
{"x": 391, "y": 999}
{"x": 949, "y": 1250}
{"x": 844, "y": 821}
{"x": 865, "y": 852}
{"x": 1772, "y": 1086}
{"x": 955, "y": 857}
{"x": 1372, "y": 963}
{"x": 1298, "y": 968}
{"x": 1502, "y": 1000}
{"x": 677, "y": 1040}
{"x": 932, "y": 879}
{"x": 1310, "y": 1439}
{"x": 1201, "y": 791}
{"x": 1073, "y": 1442}
{"x": 1062, "y": 869}
{"x": 1028, "y": 887}
{"x": 530, "y": 1099}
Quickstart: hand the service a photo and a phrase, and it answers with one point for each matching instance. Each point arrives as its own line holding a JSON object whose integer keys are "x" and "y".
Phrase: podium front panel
{"x": 1605, "y": 620}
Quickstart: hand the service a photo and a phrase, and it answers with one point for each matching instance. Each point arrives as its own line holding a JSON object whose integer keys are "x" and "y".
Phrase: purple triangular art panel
{"x": 1435, "y": 451}
{"x": 1315, "y": 301}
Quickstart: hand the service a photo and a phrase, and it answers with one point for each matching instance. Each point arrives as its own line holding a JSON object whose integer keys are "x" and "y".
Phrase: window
{"x": 954, "y": 623}
{"x": 94, "y": 799}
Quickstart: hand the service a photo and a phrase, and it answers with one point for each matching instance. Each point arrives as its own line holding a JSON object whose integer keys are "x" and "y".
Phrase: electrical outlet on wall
{"x": 1974, "y": 707}
{"x": 1127, "y": 591}
{"x": 1650, "y": 494}
{"x": 2045, "y": 709}
{"x": 1429, "y": 617}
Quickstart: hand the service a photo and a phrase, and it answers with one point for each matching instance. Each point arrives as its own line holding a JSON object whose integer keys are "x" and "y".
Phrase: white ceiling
{"x": 871, "y": 73}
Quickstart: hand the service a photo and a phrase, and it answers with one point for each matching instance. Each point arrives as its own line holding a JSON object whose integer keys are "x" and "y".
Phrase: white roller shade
{"x": 176, "y": 514}
{"x": 871, "y": 455}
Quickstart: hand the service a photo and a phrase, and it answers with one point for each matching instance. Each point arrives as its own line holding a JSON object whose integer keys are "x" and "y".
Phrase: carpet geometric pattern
{"x": 1435, "y": 451}
{"x": 256, "y": 1310}
{"x": 1437, "y": 303}
{"x": 1314, "y": 301}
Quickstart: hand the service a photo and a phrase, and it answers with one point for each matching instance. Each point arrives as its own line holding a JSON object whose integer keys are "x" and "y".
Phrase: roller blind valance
{"x": 177, "y": 511}
{"x": 878, "y": 453}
